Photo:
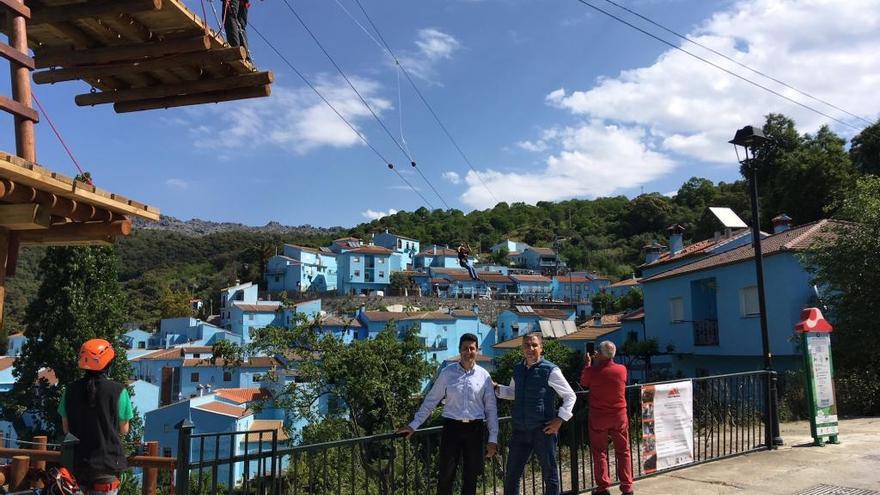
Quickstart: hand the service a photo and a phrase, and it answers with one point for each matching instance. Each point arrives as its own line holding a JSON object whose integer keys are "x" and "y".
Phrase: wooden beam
{"x": 52, "y": 57}
{"x": 208, "y": 85}
{"x": 16, "y": 56}
{"x": 16, "y": 7}
{"x": 24, "y": 216}
{"x": 202, "y": 59}
{"x": 12, "y": 254}
{"x": 193, "y": 99}
{"x": 19, "y": 110}
{"x": 93, "y": 8}
{"x": 4, "y": 256}
{"x": 76, "y": 234}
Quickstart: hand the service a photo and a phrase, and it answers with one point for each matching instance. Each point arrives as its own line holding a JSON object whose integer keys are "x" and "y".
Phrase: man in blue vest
{"x": 535, "y": 384}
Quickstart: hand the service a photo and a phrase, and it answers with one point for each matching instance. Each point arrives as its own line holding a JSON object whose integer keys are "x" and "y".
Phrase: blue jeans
{"x": 522, "y": 444}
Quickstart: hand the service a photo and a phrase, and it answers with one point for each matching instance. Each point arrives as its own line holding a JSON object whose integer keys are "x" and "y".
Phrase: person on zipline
{"x": 463, "y": 252}
{"x": 97, "y": 410}
{"x": 235, "y": 15}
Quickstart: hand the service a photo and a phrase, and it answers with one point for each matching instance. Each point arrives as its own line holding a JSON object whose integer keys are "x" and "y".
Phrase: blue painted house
{"x": 659, "y": 258}
{"x": 405, "y": 247}
{"x": 544, "y": 260}
{"x": 189, "y": 331}
{"x": 136, "y": 339}
{"x": 436, "y": 257}
{"x": 144, "y": 397}
{"x": 521, "y": 320}
{"x": 621, "y": 288}
{"x": 532, "y": 286}
{"x": 499, "y": 284}
{"x": 14, "y": 344}
{"x": 247, "y": 293}
{"x": 572, "y": 288}
{"x": 459, "y": 283}
{"x": 301, "y": 269}
{"x": 364, "y": 269}
{"x": 707, "y": 310}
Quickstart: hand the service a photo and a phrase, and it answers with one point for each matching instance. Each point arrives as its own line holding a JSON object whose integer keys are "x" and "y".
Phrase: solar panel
{"x": 728, "y": 218}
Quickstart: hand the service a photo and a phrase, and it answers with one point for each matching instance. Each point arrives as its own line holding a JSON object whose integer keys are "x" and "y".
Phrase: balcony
{"x": 706, "y": 332}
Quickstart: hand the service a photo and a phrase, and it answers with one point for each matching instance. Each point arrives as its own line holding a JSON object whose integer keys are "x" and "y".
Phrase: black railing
{"x": 728, "y": 420}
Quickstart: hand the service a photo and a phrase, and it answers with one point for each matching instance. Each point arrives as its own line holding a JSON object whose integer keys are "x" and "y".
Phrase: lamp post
{"x": 748, "y": 138}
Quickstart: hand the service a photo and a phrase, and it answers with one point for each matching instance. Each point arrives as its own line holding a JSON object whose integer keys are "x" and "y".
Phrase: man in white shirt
{"x": 535, "y": 418}
{"x": 469, "y": 410}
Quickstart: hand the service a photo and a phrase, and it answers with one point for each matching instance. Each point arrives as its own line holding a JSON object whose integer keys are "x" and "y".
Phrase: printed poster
{"x": 824, "y": 407}
{"x": 667, "y": 425}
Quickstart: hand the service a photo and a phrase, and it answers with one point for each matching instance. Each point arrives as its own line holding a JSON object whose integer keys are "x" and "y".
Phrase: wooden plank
{"x": 192, "y": 99}
{"x": 26, "y": 173}
{"x": 110, "y": 54}
{"x": 208, "y": 85}
{"x": 24, "y": 216}
{"x": 17, "y": 7}
{"x": 76, "y": 234}
{"x": 16, "y": 56}
{"x": 92, "y": 8}
{"x": 18, "y": 109}
{"x": 205, "y": 58}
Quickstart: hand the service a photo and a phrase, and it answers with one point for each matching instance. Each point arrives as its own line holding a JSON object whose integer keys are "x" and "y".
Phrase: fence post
{"x": 68, "y": 444}
{"x": 18, "y": 472}
{"x": 774, "y": 410}
{"x": 151, "y": 475}
{"x": 184, "y": 445}
{"x": 40, "y": 442}
{"x": 574, "y": 451}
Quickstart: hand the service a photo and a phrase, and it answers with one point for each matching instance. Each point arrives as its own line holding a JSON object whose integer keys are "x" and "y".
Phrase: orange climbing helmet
{"x": 95, "y": 355}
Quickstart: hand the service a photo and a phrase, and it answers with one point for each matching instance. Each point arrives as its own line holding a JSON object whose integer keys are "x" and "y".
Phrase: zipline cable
{"x": 363, "y": 100}
{"x": 713, "y": 64}
{"x": 730, "y": 59}
{"x": 424, "y": 100}
{"x": 338, "y": 114}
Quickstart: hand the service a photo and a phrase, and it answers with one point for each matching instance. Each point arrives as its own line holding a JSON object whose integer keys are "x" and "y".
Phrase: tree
{"x": 631, "y": 301}
{"x": 568, "y": 360}
{"x": 845, "y": 268}
{"x": 865, "y": 150}
{"x": 401, "y": 284}
{"x": 500, "y": 257}
{"x": 79, "y": 299}
{"x": 633, "y": 351}
{"x": 175, "y": 303}
{"x": 603, "y": 302}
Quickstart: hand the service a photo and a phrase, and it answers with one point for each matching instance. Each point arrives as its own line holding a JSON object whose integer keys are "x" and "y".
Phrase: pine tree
{"x": 80, "y": 299}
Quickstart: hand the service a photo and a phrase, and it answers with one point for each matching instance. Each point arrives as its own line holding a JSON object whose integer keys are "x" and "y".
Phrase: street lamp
{"x": 748, "y": 138}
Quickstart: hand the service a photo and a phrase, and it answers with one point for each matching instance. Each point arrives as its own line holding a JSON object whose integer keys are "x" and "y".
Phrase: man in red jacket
{"x": 607, "y": 383}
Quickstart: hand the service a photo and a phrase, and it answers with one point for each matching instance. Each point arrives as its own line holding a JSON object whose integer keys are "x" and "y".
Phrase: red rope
{"x": 61, "y": 139}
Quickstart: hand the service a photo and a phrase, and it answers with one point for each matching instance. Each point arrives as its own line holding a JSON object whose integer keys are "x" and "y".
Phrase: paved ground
{"x": 794, "y": 468}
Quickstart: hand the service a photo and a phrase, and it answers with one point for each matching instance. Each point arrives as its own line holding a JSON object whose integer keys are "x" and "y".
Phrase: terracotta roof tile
{"x": 268, "y": 307}
{"x": 495, "y": 277}
{"x": 572, "y": 279}
{"x": 542, "y": 251}
{"x": 224, "y": 409}
{"x": 440, "y": 252}
{"x": 268, "y": 424}
{"x": 589, "y": 333}
{"x": 6, "y": 362}
{"x": 638, "y": 314}
{"x": 371, "y": 250}
{"x": 796, "y": 239}
{"x": 627, "y": 282}
{"x": 331, "y": 320}
{"x": 530, "y": 278}
{"x": 242, "y": 395}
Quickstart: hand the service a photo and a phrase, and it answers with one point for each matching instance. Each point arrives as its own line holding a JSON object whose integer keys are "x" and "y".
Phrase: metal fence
{"x": 729, "y": 420}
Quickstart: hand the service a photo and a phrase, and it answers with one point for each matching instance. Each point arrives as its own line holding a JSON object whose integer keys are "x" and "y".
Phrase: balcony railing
{"x": 706, "y": 332}
{"x": 728, "y": 420}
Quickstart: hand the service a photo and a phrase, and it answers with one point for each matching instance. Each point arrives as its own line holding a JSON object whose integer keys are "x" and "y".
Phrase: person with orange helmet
{"x": 97, "y": 410}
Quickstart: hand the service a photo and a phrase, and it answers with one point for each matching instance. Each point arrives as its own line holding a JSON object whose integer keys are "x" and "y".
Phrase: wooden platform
{"x": 39, "y": 207}
{"x": 138, "y": 54}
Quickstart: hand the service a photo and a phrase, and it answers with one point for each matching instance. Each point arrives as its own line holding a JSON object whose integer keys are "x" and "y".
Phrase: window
{"x": 227, "y": 376}
{"x": 142, "y": 345}
{"x": 357, "y": 273}
{"x": 167, "y": 429}
{"x": 257, "y": 377}
{"x": 676, "y": 309}
{"x": 194, "y": 378}
{"x": 748, "y": 302}
{"x": 399, "y": 244}
{"x": 250, "y": 317}
{"x": 356, "y": 259}
{"x": 196, "y": 355}
{"x": 380, "y": 261}
{"x": 381, "y": 274}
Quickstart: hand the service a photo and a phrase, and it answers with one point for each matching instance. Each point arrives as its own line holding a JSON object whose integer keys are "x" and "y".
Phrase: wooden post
{"x": 151, "y": 475}
{"x": 25, "y": 145}
{"x": 4, "y": 253}
{"x": 40, "y": 442}
{"x": 18, "y": 472}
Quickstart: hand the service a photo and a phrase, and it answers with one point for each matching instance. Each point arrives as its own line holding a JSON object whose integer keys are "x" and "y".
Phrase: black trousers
{"x": 236, "y": 23}
{"x": 460, "y": 441}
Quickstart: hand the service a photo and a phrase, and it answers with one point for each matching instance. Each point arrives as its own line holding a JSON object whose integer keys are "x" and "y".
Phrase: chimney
{"x": 781, "y": 223}
{"x": 652, "y": 252}
{"x": 208, "y": 389}
{"x": 201, "y": 389}
{"x": 597, "y": 320}
{"x": 676, "y": 239}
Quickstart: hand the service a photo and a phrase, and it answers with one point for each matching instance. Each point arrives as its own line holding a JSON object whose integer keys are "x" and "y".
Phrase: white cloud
{"x": 294, "y": 119}
{"x": 177, "y": 183}
{"x": 640, "y": 123}
{"x": 595, "y": 159}
{"x": 452, "y": 177}
{"x": 375, "y": 215}
{"x": 697, "y": 108}
{"x": 433, "y": 46}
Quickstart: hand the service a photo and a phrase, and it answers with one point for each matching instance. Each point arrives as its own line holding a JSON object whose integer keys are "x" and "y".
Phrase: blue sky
{"x": 549, "y": 100}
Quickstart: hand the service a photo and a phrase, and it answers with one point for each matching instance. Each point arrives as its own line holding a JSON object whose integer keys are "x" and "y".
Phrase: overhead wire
{"x": 369, "y": 107}
{"x": 338, "y": 114}
{"x": 737, "y": 62}
{"x": 713, "y": 64}
{"x": 385, "y": 46}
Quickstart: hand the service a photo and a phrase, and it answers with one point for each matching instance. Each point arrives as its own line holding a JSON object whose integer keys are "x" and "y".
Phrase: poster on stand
{"x": 667, "y": 425}
{"x": 824, "y": 407}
